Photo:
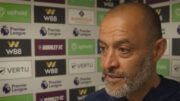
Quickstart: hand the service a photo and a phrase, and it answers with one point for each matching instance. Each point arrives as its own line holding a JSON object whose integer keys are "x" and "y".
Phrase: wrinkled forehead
{"x": 114, "y": 28}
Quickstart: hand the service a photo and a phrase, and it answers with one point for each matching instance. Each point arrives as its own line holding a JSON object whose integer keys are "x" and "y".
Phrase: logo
{"x": 51, "y": 96}
{"x": 6, "y": 88}
{"x": 12, "y": 31}
{"x": 15, "y": 12}
{"x": 50, "y": 67}
{"x": 76, "y": 32}
{"x": 49, "y": 14}
{"x": 2, "y": 70}
{"x": 85, "y": 17}
{"x": 81, "y": 13}
{"x": 76, "y": 81}
{"x": 49, "y": 31}
{"x": 74, "y": 46}
{"x": 24, "y": 97}
{"x": 81, "y": 32}
{"x": 81, "y": 46}
{"x": 177, "y": 12}
{"x": 177, "y": 68}
{"x": 51, "y": 64}
{"x": 50, "y": 11}
{"x": 13, "y": 44}
{"x": 43, "y": 31}
{"x": 4, "y": 30}
{"x": 82, "y": 80}
{"x": 107, "y": 3}
{"x": 15, "y": 47}
{"x": 15, "y": 69}
{"x": 79, "y": 94}
{"x": 51, "y": 84}
{"x": 49, "y": 47}
{"x": 44, "y": 84}
{"x": 158, "y": 11}
{"x": 103, "y": 79}
{"x": 2, "y": 11}
{"x": 178, "y": 29}
{"x": 81, "y": 65}
{"x": 82, "y": 91}
{"x": 163, "y": 67}
{"x": 163, "y": 13}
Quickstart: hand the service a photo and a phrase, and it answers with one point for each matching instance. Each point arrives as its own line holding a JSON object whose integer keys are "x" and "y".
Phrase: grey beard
{"x": 138, "y": 81}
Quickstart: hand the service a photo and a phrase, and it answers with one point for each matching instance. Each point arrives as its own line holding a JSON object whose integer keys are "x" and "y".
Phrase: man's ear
{"x": 159, "y": 49}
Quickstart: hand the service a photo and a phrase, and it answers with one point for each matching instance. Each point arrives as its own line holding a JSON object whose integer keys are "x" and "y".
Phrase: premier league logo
{"x": 6, "y": 88}
{"x": 44, "y": 84}
{"x": 178, "y": 30}
{"x": 4, "y": 30}
{"x": 76, "y": 32}
{"x": 43, "y": 31}
{"x": 76, "y": 81}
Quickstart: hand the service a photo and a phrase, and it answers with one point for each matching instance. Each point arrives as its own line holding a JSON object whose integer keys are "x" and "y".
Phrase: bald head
{"x": 139, "y": 14}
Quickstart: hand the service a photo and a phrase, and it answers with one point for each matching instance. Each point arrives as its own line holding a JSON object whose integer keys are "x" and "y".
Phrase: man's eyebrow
{"x": 100, "y": 41}
{"x": 125, "y": 41}
{"x": 120, "y": 42}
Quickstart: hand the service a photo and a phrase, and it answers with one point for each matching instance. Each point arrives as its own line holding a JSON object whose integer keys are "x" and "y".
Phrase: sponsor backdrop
{"x": 49, "y": 48}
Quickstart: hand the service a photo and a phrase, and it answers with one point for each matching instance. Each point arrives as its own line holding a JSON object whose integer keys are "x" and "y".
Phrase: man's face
{"x": 124, "y": 55}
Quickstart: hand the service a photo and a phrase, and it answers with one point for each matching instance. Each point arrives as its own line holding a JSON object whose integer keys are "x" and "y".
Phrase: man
{"x": 131, "y": 43}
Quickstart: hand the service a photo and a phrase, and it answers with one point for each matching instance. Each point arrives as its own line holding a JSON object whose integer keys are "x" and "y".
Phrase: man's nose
{"x": 110, "y": 60}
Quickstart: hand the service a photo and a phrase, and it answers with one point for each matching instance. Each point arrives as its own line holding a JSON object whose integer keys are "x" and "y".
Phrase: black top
{"x": 168, "y": 90}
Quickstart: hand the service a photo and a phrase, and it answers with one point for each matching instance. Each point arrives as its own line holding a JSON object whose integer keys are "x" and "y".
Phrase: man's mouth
{"x": 113, "y": 78}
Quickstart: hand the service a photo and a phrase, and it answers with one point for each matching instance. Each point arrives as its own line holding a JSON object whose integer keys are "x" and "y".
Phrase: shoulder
{"x": 99, "y": 95}
{"x": 170, "y": 84}
{"x": 172, "y": 89}
{"x": 168, "y": 90}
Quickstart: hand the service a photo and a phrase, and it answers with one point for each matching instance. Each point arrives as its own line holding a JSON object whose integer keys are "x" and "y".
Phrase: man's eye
{"x": 124, "y": 50}
{"x": 102, "y": 49}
